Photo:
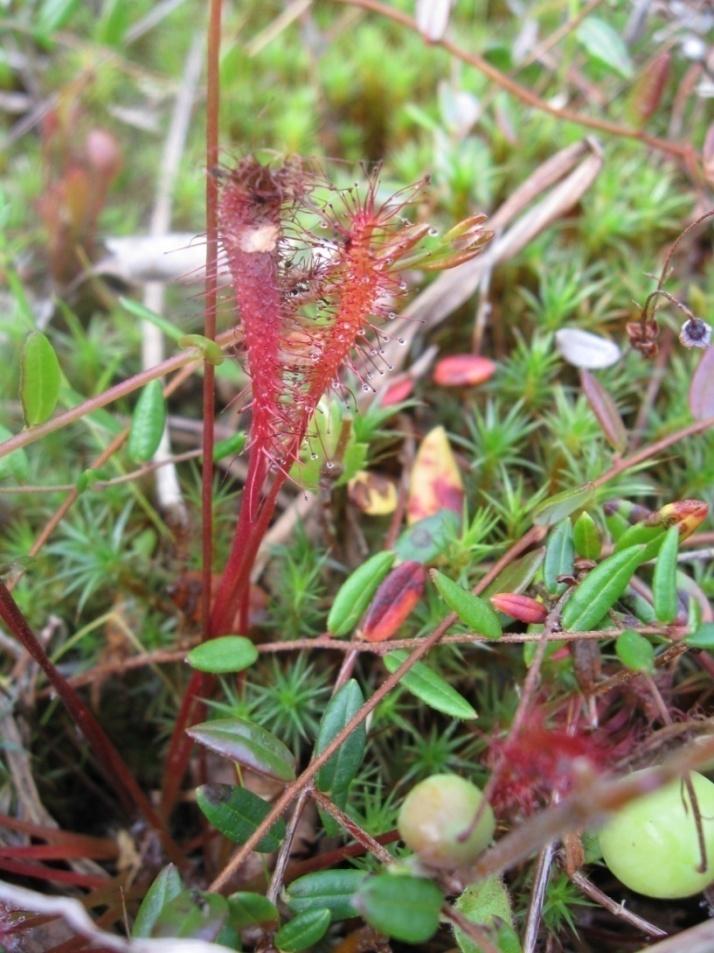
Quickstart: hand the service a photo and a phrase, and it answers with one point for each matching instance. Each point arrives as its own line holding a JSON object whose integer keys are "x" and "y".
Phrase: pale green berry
{"x": 437, "y": 812}
{"x": 651, "y": 844}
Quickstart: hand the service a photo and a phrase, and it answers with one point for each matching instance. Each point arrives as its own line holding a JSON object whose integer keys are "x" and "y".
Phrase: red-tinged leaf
{"x": 393, "y": 602}
{"x": 398, "y": 390}
{"x": 247, "y": 743}
{"x": 463, "y": 370}
{"x": 701, "y": 390}
{"x": 603, "y": 406}
{"x": 524, "y": 608}
{"x": 649, "y": 87}
{"x": 435, "y": 481}
{"x": 688, "y": 515}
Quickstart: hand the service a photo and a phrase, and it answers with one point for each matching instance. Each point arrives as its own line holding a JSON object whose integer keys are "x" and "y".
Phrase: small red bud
{"x": 687, "y": 515}
{"x": 523, "y": 608}
{"x": 393, "y": 602}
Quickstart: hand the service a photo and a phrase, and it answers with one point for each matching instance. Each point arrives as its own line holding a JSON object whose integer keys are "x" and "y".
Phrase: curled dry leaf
{"x": 393, "y": 602}
{"x": 604, "y": 408}
{"x": 585, "y": 350}
{"x": 463, "y": 370}
{"x": 435, "y": 481}
{"x": 374, "y": 494}
{"x": 701, "y": 390}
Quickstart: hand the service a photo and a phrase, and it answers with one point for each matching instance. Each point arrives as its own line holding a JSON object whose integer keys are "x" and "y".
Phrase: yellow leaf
{"x": 435, "y": 482}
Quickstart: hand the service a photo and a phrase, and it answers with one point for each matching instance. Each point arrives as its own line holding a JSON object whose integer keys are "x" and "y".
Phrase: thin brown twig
{"x": 352, "y": 827}
{"x": 616, "y": 909}
{"x": 682, "y": 151}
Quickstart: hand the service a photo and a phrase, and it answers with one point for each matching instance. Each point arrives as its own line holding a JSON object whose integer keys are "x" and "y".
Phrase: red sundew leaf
{"x": 603, "y": 406}
{"x": 393, "y": 602}
{"x": 463, "y": 370}
{"x": 701, "y": 390}
{"x": 435, "y": 481}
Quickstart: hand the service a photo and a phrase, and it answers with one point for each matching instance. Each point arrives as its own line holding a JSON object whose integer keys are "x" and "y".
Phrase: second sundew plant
{"x": 314, "y": 279}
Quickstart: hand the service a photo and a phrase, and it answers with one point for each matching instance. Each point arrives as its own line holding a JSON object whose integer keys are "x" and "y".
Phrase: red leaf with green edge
{"x": 236, "y": 812}
{"x": 393, "y": 602}
{"x": 604, "y": 408}
{"x": 247, "y": 743}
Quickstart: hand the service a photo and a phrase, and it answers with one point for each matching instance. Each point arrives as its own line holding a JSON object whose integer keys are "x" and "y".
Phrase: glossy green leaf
{"x": 473, "y": 611}
{"x": 559, "y": 556}
{"x": 355, "y": 593}
{"x": 194, "y": 915}
{"x": 248, "y": 744}
{"x": 649, "y": 535}
{"x": 303, "y": 931}
{"x": 426, "y": 539}
{"x": 229, "y": 447}
{"x": 250, "y": 909}
{"x": 664, "y": 582}
{"x": 335, "y": 777}
{"x": 15, "y": 466}
{"x": 703, "y": 638}
{"x": 236, "y": 812}
{"x": 332, "y": 890}
{"x": 560, "y": 506}
{"x": 166, "y": 886}
{"x": 599, "y": 591}
{"x": 429, "y": 687}
{"x": 606, "y": 45}
{"x": 635, "y": 651}
{"x": 40, "y": 379}
{"x": 405, "y": 908}
{"x": 147, "y": 423}
{"x": 52, "y": 16}
{"x": 228, "y": 653}
{"x": 586, "y": 537}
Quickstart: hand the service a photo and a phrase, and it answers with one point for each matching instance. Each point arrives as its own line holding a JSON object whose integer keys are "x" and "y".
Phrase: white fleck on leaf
{"x": 585, "y": 350}
{"x": 701, "y": 391}
{"x": 432, "y": 17}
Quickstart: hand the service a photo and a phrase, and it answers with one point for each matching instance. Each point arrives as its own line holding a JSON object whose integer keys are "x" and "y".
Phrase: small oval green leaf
{"x": 486, "y": 903}
{"x": 474, "y": 612}
{"x": 559, "y": 556}
{"x": 664, "y": 582}
{"x": 405, "y": 908}
{"x": 303, "y": 931}
{"x": 250, "y": 909}
{"x": 248, "y": 744}
{"x": 600, "y": 590}
{"x": 230, "y": 446}
{"x": 165, "y": 887}
{"x": 194, "y": 915}
{"x": 429, "y": 687}
{"x": 228, "y": 653}
{"x": 355, "y": 593}
{"x": 560, "y": 506}
{"x": 335, "y": 777}
{"x": 40, "y": 379}
{"x": 703, "y": 638}
{"x": 236, "y": 812}
{"x": 332, "y": 889}
{"x": 586, "y": 537}
{"x": 635, "y": 651}
{"x": 147, "y": 423}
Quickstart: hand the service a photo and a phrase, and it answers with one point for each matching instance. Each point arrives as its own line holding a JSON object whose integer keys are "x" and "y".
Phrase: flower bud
{"x": 524, "y": 608}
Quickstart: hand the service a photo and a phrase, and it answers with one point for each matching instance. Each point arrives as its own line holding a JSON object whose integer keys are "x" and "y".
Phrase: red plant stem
{"x": 108, "y": 756}
{"x": 52, "y": 874}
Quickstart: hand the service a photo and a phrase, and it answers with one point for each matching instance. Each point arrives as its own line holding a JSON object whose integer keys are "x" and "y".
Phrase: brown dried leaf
{"x": 603, "y": 406}
{"x": 701, "y": 390}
